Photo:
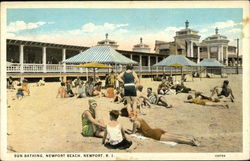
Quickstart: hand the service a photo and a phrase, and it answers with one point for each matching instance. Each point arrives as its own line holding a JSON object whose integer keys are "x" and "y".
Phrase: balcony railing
{"x": 60, "y": 68}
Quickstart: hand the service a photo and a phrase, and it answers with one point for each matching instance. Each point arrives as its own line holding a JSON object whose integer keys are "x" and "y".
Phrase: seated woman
{"x": 91, "y": 126}
{"x": 114, "y": 135}
{"x": 80, "y": 91}
{"x": 206, "y": 102}
{"x": 162, "y": 88}
{"x": 25, "y": 86}
{"x": 153, "y": 98}
{"x": 97, "y": 89}
{"x": 140, "y": 126}
{"x": 62, "y": 91}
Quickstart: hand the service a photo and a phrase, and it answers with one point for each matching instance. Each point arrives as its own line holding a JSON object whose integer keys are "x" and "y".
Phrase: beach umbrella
{"x": 176, "y": 61}
{"x": 210, "y": 63}
{"x": 94, "y": 65}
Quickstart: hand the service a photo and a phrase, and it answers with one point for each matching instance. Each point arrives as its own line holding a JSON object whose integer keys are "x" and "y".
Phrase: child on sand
{"x": 19, "y": 94}
{"x": 114, "y": 135}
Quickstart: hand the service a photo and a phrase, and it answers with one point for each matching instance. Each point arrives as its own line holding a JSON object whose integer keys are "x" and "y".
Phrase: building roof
{"x": 44, "y": 44}
{"x": 174, "y": 60}
{"x": 210, "y": 63}
{"x": 100, "y": 54}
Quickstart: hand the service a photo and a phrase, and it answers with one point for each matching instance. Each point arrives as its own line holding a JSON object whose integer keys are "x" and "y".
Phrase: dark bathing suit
{"x": 129, "y": 85}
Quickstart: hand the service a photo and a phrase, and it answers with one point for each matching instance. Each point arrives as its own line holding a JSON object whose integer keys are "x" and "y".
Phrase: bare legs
{"x": 131, "y": 104}
{"x": 179, "y": 139}
{"x": 163, "y": 101}
{"x": 217, "y": 104}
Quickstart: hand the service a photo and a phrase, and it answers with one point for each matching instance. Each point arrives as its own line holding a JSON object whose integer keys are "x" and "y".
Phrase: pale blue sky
{"x": 126, "y": 26}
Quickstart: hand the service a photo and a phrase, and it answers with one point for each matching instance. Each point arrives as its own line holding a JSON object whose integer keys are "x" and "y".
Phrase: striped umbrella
{"x": 100, "y": 54}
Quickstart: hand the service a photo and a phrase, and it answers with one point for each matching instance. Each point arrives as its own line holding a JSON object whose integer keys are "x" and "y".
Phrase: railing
{"x": 60, "y": 68}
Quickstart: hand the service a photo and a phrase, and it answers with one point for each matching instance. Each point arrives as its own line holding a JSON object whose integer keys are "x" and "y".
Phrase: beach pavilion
{"x": 176, "y": 61}
{"x": 100, "y": 54}
{"x": 211, "y": 65}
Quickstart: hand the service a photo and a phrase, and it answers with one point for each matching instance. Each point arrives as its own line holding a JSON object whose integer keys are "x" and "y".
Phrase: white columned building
{"x": 156, "y": 59}
{"x": 198, "y": 55}
{"x": 218, "y": 42}
{"x": 64, "y": 58}
{"x": 191, "y": 37}
{"x": 21, "y": 57}
{"x": 44, "y": 60}
{"x": 140, "y": 63}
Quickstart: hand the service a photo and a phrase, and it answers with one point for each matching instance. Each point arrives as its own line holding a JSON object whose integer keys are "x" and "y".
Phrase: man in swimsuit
{"x": 225, "y": 92}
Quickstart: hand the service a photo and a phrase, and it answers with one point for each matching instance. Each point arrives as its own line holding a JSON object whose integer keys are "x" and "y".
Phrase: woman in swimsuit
{"x": 91, "y": 126}
{"x": 140, "y": 126}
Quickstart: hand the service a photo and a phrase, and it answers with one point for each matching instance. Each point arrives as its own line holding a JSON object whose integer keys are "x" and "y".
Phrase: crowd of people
{"x": 125, "y": 88}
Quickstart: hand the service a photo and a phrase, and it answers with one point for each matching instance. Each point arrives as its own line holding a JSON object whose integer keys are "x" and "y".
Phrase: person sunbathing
{"x": 90, "y": 125}
{"x": 153, "y": 98}
{"x": 62, "y": 91}
{"x": 114, "y": 135}
{"x": 206, "y": 102}
{"x": 225, "y": 92}
{"x": 140, "y": 126}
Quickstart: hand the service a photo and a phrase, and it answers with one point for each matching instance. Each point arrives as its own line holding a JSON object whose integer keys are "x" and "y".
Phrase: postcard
{"x": 153, "y": 80}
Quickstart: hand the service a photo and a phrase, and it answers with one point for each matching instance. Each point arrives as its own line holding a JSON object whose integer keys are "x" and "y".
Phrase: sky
{"x": 86, "y": 27}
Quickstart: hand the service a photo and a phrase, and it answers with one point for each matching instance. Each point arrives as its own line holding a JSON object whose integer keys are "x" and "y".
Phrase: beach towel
{"x": 161, "y": 142}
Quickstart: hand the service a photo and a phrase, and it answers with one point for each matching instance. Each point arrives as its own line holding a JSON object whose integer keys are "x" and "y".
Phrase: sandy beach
{"x": 43, "y": 123}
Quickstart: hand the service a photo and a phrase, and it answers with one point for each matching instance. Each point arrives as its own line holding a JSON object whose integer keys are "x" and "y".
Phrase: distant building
{"x": 186, "y": 43}
{"x": 108, "y": 42}
{"x": 141, "y": 47}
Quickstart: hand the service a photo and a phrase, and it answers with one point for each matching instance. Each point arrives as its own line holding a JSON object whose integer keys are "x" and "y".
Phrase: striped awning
{"x": 100, "y": 54}
{"x": 210, "y": 63}
{"x": 176, "y": 60}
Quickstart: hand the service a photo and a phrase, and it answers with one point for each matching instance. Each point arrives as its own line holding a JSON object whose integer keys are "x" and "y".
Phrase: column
{"x": 219, "y": 54}
{"x": 149, "y": 64}
{"x": 156, "y": 59}
{"x": 208, "y": 52}
{"x": 222, "y": 54}
{"x": 140, "y": 63}
{"x": 227, "y": 55}
{"x": 198, "y": 54}
{"x": 188, "y": 49}
{"x": 64, "y": 58}
{"x": 21, "y": 58}
{"x": 131, "y": 56}
{"x": 44, "y": 59}
{"x": 192, "y": 49}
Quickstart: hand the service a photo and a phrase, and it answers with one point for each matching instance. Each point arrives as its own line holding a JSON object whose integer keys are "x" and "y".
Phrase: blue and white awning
{"x": 100, "y": 54}
{"x": 175, "y": 60}
{"x": 210, "y": 63}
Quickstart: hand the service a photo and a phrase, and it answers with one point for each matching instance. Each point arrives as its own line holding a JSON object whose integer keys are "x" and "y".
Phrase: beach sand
{"x": 43, "y": 123}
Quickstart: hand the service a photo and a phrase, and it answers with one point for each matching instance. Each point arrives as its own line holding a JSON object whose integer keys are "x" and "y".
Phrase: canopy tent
{"x": 211, "y": 63}
{"x": 176, "y": 61}
{"x": 100, "y": 54}
{"x": 94, "y": 65}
